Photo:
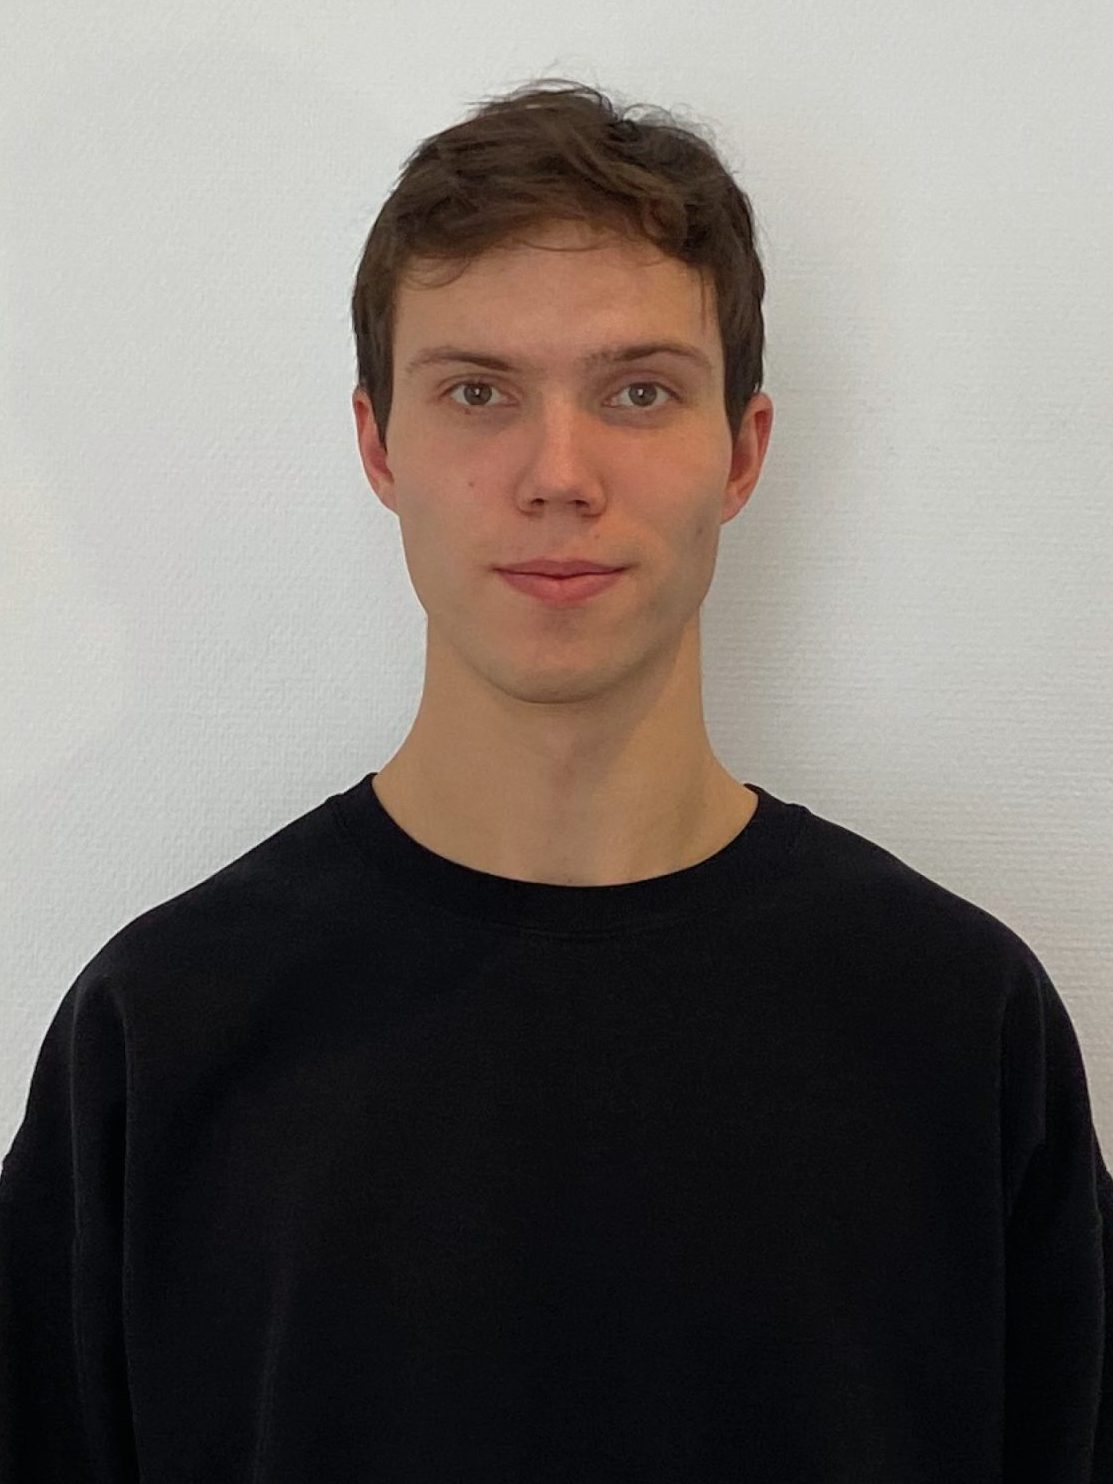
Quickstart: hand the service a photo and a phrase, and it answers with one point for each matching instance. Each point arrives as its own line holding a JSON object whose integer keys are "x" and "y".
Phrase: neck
{"x": 611, "y": 826}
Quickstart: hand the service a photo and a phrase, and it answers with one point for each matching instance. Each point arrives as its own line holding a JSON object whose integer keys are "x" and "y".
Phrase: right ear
{"x": 372, "y": 451}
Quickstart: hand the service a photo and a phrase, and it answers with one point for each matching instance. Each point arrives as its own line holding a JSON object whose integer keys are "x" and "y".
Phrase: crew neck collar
{"x": 754, "y": 860}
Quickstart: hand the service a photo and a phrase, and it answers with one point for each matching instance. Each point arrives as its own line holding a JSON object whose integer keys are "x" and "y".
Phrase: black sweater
{"x": 354, "y": 1164}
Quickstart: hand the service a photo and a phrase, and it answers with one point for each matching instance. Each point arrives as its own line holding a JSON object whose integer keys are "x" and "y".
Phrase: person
{"x": 550, "y": 1104}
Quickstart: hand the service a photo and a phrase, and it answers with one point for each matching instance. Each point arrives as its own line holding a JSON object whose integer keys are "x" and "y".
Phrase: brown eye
{"x": 637, "y": 386}
{"x": 641, "y": 385}
{"x": 471, "y": 384}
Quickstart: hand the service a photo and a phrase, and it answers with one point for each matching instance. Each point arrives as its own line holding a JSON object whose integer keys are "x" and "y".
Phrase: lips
{"x": 563, "y": 592}
{"x": 545, "y": 567}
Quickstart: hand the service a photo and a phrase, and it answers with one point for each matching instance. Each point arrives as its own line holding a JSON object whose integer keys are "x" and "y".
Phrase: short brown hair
{"x": 542, "y": 154}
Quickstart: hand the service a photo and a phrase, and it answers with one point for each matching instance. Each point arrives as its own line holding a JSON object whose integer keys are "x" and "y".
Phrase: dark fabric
{"x": 352, "y": 1163}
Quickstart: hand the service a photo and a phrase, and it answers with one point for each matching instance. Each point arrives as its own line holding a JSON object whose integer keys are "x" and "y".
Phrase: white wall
{"x": 207, "y": 625}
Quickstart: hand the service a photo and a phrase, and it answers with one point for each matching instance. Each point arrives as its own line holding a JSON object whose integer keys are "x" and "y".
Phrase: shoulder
{"x": 864, "y": 895}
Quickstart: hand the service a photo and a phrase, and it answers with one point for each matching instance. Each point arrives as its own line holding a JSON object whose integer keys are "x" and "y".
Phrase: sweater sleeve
{"x": 1059, "y": 1250}
{"x": 64, "y": 1409}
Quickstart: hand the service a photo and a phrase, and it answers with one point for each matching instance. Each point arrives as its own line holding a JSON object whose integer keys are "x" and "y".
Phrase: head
{"x": 543, "y": 229}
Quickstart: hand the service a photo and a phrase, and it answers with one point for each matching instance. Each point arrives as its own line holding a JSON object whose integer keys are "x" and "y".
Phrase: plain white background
{"x": 207, "y": 624}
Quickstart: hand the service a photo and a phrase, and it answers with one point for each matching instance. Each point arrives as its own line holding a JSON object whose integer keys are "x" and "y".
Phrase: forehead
{"x": 568, "y": 294}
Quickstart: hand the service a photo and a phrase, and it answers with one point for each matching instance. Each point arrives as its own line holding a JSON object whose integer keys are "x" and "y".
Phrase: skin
{"x": 564, "y": 746}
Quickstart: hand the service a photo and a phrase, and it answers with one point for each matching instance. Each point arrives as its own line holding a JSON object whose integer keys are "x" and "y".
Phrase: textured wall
{"x": 207, "y": 622}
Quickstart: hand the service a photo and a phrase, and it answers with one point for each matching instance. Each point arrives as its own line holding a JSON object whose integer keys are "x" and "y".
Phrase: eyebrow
{"x": 606, "y": 355}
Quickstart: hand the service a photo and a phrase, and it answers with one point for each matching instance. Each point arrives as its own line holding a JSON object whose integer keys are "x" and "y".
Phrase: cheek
{"x": 694, "y": 512}
{"x": 704, "y": 531}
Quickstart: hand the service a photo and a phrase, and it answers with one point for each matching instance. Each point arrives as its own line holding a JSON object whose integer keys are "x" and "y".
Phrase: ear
{"x": 749, "y": 453}
{"x": 372, "y": 450}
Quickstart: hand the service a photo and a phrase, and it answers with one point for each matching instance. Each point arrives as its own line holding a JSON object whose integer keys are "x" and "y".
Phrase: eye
{"x": 471, "y": 406}
{"x": 650, "y": 407}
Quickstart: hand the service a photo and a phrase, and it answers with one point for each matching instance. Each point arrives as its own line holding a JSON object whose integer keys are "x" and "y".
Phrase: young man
{"x": 550, "y": 1105}
{"x": 560, "y": 736}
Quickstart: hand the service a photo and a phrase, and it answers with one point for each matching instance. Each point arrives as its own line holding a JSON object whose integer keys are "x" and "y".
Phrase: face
{"x": 626, "y": 464}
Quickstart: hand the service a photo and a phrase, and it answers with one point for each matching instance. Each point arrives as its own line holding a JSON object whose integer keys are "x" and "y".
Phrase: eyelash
{"x": 473, "y": 381}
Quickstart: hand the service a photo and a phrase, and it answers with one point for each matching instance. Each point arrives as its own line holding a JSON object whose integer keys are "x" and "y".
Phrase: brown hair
{"x": 542, "y": 154}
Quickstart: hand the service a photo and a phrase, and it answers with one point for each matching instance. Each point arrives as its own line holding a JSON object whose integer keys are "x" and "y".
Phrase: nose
{"x": 564, "y": 461}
